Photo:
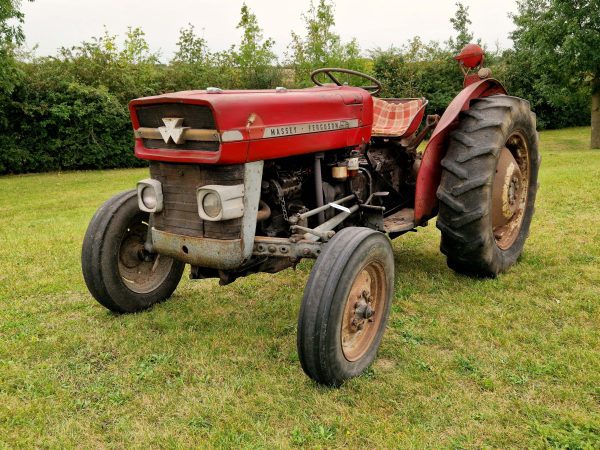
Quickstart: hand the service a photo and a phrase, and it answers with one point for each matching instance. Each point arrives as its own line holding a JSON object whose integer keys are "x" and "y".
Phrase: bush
{"x": 58, "y": 124}
{"x": 418, "y": 70}
{"x": 70, "y": 112}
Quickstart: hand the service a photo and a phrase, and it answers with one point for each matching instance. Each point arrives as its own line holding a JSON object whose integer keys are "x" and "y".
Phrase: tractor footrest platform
{"x": 401, "y": 221}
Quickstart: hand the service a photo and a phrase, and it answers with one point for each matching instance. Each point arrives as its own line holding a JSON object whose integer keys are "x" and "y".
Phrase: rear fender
{"x": 430, "y": 171}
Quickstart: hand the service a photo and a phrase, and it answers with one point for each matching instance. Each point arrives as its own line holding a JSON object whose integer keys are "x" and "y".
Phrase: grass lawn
{"x": 510, "y": 362}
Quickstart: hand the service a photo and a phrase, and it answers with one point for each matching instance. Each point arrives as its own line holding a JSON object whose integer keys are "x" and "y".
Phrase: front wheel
{"x": 118, "y": 271}
{"x": 345, "y": 306}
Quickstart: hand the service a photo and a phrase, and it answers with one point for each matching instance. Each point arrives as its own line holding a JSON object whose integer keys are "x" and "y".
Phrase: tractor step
{"x": 403, "y": 220}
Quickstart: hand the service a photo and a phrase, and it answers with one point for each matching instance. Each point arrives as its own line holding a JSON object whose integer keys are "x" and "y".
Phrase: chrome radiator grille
{"x": 194, "y": 116}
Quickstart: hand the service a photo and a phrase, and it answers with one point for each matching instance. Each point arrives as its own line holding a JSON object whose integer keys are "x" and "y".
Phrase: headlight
{"x": 150, "y": 197}
{"x": 212, "y": 204}
{"x": 220, "y": 202}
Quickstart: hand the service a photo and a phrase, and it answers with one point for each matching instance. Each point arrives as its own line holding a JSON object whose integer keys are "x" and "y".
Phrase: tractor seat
{"x": 398, "y": 118}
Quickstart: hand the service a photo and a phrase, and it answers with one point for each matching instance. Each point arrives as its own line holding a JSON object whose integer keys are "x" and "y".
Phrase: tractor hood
{"x": 234, "y": 127}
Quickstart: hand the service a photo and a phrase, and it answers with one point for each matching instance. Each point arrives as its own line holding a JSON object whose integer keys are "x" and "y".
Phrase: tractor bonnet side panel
{"x": 430, "y": 171}
{"x": 259, "y": 125}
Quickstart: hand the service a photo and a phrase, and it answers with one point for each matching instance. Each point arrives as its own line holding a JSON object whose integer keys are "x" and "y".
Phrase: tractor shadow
{"x": 421, "y": 270}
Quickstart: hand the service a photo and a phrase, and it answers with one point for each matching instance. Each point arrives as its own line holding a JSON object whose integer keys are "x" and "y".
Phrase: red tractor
{"x": 253, "y": 181}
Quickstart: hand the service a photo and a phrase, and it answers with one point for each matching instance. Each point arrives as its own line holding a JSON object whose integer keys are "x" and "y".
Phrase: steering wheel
{"x": 373, "y": 89}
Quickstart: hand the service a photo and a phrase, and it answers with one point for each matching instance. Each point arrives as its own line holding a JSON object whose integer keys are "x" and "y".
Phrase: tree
{"x": 563, "y": 37}
{"x": 254, "y": 56}
{"x": 127, "y": 71}
{"x": 191, "y": 49}
{"x": 11, "y": 22}
{"x": 193, "y": 66}
{"x": 460, "y": 22}
{"x": 11, "y": 36}
{"x": 321, "y": 47}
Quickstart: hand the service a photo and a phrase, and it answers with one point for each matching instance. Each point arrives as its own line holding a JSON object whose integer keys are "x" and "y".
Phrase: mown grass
{"x": 510, "y": 362}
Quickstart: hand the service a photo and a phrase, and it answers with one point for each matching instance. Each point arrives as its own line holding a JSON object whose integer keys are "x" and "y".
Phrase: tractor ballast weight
{"x": 254, "y": 181}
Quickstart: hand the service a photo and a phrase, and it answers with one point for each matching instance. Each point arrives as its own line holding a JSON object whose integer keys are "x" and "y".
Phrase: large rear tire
{"x": 345, "y": 306}
{"x": 488, "y": 186}
{"x": 118, "y": 271}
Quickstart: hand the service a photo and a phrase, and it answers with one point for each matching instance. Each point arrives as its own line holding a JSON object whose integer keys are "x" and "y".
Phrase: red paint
{"x": 470, "y": 56}
{"x": 414, "y": 125}
{"x": 430, "y": 171}
{"x": 232, "y": 110}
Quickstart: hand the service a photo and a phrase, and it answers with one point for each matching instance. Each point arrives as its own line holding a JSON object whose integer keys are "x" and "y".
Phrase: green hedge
{"x": 64, "y": 125}
{"x": 72, "y": 113}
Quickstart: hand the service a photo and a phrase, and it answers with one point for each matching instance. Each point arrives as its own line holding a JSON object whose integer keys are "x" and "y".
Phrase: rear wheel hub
{"x": 509, "y": 192}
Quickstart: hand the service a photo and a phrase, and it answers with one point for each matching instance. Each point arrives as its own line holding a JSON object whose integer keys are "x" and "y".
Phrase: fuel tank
{"x": 214, "y": 126}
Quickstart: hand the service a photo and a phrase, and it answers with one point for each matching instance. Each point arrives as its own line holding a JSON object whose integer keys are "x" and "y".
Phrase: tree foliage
{"x": 128, "y": 70}
{"x": 11, "y": 21}
{"x": 557, "y": 41}
{"x": 254, "y": 56}
{"x": 252, "y": 64}
{"x": 193, "y": 66}
{"x": 57, "y": 124}
{"x": 460, "y": 22}
{"x": 321, "y": 46}
{"x": 11, "y": 36}
{"x": 70, "y": 111}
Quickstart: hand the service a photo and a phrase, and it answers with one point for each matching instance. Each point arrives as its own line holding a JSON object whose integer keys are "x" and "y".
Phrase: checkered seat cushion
{"x": 397, "y": 117}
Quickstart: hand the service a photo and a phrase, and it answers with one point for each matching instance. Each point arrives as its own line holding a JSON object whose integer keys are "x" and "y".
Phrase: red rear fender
{"x": 430, "y": 171}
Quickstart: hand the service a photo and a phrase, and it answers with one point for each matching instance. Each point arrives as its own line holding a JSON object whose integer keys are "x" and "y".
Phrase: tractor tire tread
{"x": 469, "y": 185}
{"x": 455, "y": 168}
{"x": 482, "y": 151}
{"x": 450, "y": 201}
{"x": 468, "y": 171}
{"x": 326, "y": 283}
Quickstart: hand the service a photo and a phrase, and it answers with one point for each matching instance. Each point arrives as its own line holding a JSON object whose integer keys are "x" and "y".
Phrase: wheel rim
{"x": 510, "y": 190}
{"x": 364, "y": 311}
{"x": 141, "y": 271}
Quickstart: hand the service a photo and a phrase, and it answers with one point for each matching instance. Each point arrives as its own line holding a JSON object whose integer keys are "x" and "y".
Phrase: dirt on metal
{"x": 363, "y": 312}
{"x": 509, "y": 191}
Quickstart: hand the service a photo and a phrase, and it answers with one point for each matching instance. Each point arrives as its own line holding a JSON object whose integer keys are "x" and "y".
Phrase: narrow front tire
{"x": 345, "y": 306}
{"x": 118, "y": 271}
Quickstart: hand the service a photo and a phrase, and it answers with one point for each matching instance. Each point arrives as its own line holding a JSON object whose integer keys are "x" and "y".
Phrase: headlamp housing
{"x": 216, "y": 203}
{"x": 150, "y": 195}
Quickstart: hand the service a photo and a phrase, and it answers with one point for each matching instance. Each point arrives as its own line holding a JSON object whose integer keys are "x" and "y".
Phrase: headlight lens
{"x": 211, "y": 203}
{"x": 216, "y": 202}
{"x": 149, "y": 197}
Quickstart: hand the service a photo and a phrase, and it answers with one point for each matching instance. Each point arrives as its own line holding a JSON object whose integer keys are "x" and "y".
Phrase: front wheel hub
{"x": 361, "y": 320}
